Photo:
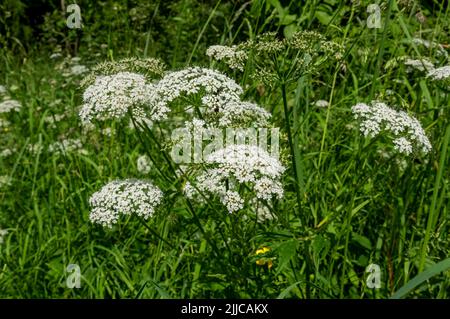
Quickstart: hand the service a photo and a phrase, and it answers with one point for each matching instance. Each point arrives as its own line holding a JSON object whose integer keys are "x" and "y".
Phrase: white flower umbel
{"x": 144, "y": 164}
{"x": 66, "y": 146}
{"x": 430, "y": 44}
{"x": 126, "y": 197}
{"x": 112, "y": 96}
{"x": 243, "y": 114}
{"x": 217, "y": 89}
{"x": 420, "y": 65}
{"x": 236, "y": 165}
{"x": 10, "y": 105}
{"x": 407, "y": 130}
{"x": 402, "y": 145}
{"x": 442, "y": 73}
{"x": 78, "y": 69}
{"x": 321, "y": 103}
{"x": 232, "y": 56}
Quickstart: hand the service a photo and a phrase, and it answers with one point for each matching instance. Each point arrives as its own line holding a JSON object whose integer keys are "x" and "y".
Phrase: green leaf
{"x": 420, "y": 278}
{"x": 286, "y": 251}
{"x": 323, "y": 17}
{"x": 362, "y": 240}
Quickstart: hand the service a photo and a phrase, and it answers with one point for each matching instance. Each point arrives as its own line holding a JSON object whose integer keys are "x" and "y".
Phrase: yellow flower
{"x": 262, "y": 250}
{"x": 264, "y": 261}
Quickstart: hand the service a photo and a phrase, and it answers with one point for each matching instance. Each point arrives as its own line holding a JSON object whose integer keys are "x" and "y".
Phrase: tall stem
{"x": 291, "y": 147}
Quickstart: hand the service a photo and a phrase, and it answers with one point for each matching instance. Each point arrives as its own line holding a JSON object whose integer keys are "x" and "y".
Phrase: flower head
{"x": 232, "y": 56}
{"x": 442, "y": 73}
{"x": 217, "y": 90}
{"x": 421, "y": 65}
{"x": 407, "y": 130}
{"x": 113, "y": 96}
{"x": 124, "y": 197}
{"x": 10, "y": 105}
{"x": 236, "y": 165}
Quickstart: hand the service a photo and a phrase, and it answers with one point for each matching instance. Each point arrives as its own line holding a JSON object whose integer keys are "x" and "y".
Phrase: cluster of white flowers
{"x": 71, "y": 66}
{"x": 419, "y": 64}
{"x": 238, "y": 164}
{"x": 113, "y": 96}
{"x": 124, "y": 197}
{"x": 440, "y": 50}
{"x": 151, "y": 67}
{"x": 232, "y": 56}
{"x": 218, "y": 89}
{"x": 3, "y": 233}
{"x": 9, "y": 105}
{"x": 78, "y": 69}
{"x": 35, "y": 149}
{"x": 406, "y": 129}
{"x": 220, "y": 97}
{"x": 55, "y": 55}
{"x": 52, "y": 120}
{"x": 243, "y": 114}
{"x": 144, "y": 164}
{"x": 7, "y": 152}
{"x": 442, "y": 73}
{"x": 67, "y": 146}
{"x": 321, "y": 103}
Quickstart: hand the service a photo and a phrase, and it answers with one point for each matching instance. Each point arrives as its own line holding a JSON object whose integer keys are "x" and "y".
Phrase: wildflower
{"x": 406, "y": 129}
{"x": 2, "y": 90}
{"x": 151, "y": 67}
{"x": 420, "y": 65}
{"x": 67, "y": 146}
{"x": 124, "y": 197}
{"x": 321, "y": 103}
{"x": 55, "y": 56}
{"x": 302, "y": 52}
{"x": 113, "y": 96}
{"x": 242, "y": 114}
{"x": 3, "y": 233}
{"x": 264, "y": 260}
{"x": 107, "y": 131}
{"x": 262, "y": 250}
{"x": 6, "y": 152}
{"x": 143, "y": 164}
{"x": 35, "y": 149}
{"x": 402, "y": 145}
{"x": 233, "y": 57}
{"x": 441, "y": 73}
{"x": 78, "y": 69}
{"x": 431, "y": 45}
{"x": 236, "y": 165}
{"x": 217, "y": 89}
{"x": 52, "y": 120}
{"x": 10, "y": 105}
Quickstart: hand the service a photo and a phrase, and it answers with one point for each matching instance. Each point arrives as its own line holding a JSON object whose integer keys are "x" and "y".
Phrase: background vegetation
{"x": 360, "y": 202}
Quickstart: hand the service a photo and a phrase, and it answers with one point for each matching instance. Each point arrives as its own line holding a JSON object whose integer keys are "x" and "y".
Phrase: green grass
{"x": 345, "y": 205}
